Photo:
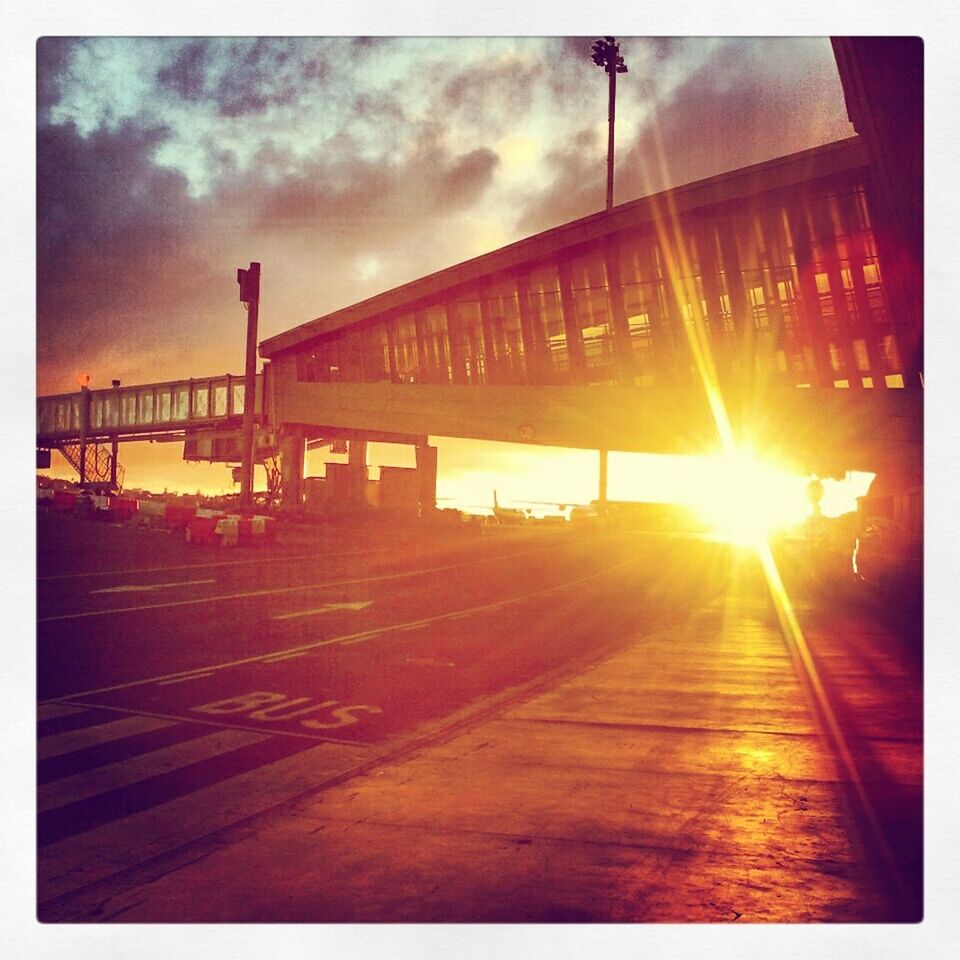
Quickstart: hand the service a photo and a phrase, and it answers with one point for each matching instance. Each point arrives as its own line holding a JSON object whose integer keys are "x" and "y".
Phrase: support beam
{"x": 357, "y": 462}
{"x": 292, "y": 450}
{"x": 427, "y": 477}
{"x": 602, "y": 495}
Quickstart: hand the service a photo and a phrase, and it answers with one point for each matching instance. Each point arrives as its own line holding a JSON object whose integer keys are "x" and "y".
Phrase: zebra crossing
{"x": 114, "y": 790}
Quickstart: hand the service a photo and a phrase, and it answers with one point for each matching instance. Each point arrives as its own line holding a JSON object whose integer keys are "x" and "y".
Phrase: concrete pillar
{"x": 427, "y": 477}
{"x": 292, "y": 450}
{"x": 84, "y": 431}
{"x": 357, "y": 462}
{"x": 602, "y": 498}
{"x": 114, "y": 443}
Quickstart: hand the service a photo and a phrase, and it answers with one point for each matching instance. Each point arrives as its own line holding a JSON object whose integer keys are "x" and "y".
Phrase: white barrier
{"x": 229, "y": 531}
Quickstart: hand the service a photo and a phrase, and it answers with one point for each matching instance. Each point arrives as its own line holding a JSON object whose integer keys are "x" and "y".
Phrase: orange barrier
{"x": 64, "y": 501}
{"x": 202, "y": 528}
{"x": 178, "y": 516}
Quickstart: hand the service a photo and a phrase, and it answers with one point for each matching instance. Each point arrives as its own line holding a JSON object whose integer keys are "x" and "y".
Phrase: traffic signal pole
{"x": 249, "y": 281}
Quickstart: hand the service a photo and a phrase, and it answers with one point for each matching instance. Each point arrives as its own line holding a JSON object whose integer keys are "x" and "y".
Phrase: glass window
{"x": 128, "y": 408}
{"x": 112, "y": 407}
{"x": 436, "y": 344}
{"x": 181, "y": 403}
{"x": 201, "y": 400}
{"x": 306, "y": 367}
{"x": 145, "y": 414}
{"x": 236, "y": 398}
{"x": 220, "y": 400}
{"x": 546, "y": 308}
{"x": 466, "y": 340}
{"x": 376, "y": 353}
{"x": 588, "y": 283}
{"x": 351, "y": 357}
{"x": 503, "y": 311}
{"x": 163, "y": 404}
{"x": 408, "y": 362}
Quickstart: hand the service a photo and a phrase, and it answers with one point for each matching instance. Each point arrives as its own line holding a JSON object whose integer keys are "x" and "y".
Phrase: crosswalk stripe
{"x": 61, "y": 743}
{"x": 74, "y": 862}
{"x": 53, "y": 711}
{"x": 91, "y": 783}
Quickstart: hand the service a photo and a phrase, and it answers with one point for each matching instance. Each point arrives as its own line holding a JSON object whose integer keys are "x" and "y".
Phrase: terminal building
{"x": 768, "y": 286}
{"x": 769, "y": 274}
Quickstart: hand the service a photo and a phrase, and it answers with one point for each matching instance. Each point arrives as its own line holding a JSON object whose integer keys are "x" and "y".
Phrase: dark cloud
{"x": 378, "y": 108}
{"x": 116, "y": 248}
{"x": 365, "y": 198}
{"x": 53, "y": 55}
{"x": 186, "y": 74}
{"x": 241, "y": 77}
{"x": 462, "y": 184}
{"x": 506, "y": 89}
{"x": 270, "y": 73}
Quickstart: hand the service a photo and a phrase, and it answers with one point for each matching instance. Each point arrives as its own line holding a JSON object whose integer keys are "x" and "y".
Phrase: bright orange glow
{"x": 746, "y": 499}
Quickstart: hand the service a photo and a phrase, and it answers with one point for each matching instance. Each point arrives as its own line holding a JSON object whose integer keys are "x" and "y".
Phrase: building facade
{"x": 773, "y": 271}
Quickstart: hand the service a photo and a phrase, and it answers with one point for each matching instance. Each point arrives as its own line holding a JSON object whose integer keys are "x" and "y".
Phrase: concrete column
{"x": 427, "y": 477}
{"x": 114, "y": 444}
{"x": 357, "y": 462}
{"x": 602, "y": 498}
{"x": 292, "y": 449}
{"x": 84, "y": 431}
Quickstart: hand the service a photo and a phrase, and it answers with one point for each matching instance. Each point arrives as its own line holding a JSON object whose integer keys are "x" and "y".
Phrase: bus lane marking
{"x": 350, "y": 638}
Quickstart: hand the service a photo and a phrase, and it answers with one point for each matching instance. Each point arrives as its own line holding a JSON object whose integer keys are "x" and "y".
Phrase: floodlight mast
{"x": 606, "y": 54}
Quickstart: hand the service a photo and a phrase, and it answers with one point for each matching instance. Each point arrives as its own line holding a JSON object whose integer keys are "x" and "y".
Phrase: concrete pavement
{"x": 684, "y": 778}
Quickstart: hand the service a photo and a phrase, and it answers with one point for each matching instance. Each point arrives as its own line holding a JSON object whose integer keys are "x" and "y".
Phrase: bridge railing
{"x": 146, "y": 408}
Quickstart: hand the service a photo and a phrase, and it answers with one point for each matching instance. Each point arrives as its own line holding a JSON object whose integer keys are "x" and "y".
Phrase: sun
{"x": 746, "y": 499}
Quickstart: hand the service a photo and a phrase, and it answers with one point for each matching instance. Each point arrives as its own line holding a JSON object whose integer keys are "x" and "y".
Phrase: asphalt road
{"x": 185, "y": 691}
{"x": 184, "y": 687}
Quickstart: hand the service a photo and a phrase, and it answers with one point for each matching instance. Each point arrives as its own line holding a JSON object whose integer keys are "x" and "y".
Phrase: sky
{"x": 347, "y": 166}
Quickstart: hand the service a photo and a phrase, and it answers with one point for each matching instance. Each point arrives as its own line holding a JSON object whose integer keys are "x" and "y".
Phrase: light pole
{"x": 249, "y": 281}
{"x": 606, "y": 54}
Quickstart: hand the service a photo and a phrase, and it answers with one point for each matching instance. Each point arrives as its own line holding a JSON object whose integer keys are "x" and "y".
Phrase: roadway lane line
{"x": 277, "y": 591}
{"x": 53, "y": 711}
{"x": 352, "y": 638}
{"x": 192, "y": 676}
{"x": 222, "y": 563}
{"x": 91, "y": 783}
{"x": 326, "y": 608}
{"x": 60, "y": 743}
{"x": 138, "y": 588}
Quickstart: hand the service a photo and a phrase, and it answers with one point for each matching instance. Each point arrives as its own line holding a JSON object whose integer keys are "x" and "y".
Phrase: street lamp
{"x": 606, "y": 54}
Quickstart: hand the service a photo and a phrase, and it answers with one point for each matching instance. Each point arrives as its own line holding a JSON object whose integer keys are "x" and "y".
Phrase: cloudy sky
{"x": 348, "y": 166}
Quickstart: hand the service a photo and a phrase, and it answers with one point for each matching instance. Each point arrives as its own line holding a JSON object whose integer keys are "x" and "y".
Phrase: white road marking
{"x": 191, "y": 676}
{"x": 92, "y": 783}
{"x": 199, "y": 566}
{"x": 284, "y": 656}
{"x": 51, "y": 711}
{"x": 140, "y": 587}
{"x": 75, "y": 862}
{"x": 221, "y": 723}
{"x": 326, "y": 608}
{"x": 277, "y": 591}
{"x": 60, "y": 743}
{"x": 363, "y": 635}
